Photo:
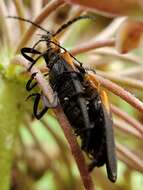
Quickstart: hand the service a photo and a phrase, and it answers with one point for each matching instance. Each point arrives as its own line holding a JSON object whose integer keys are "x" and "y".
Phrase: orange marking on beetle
{"x": 104, "y": 97}
{"x": 95, "y": 84}
{"x": 68, "y": 59}
{"x": 105, "y": 100}
{"x": 55, "y": 47}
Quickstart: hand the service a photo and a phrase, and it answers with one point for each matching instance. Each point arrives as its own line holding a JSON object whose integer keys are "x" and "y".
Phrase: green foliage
{"x": 12, "y": 110}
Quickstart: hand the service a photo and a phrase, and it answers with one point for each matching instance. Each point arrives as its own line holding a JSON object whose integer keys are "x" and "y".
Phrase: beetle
{"x": 83, "y": 101}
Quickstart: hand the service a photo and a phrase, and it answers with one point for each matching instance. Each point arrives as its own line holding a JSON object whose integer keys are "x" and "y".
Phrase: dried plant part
{"x": 129, "y": 35}
{"x": 140, "y": 3}
{"x": 112, "y": 8}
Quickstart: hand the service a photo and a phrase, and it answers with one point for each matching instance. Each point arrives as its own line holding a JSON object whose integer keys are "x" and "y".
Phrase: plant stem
{"x": 119, "y": 91}
{"x": 91, "y": 45}
{"x": 20, "y": 12}
{"x": 67, "y": 129}
{"x": 122, "y": 126}
{"x": 11, "y": 116}
{"x": 126, "y": 81}
{"x": 130, "y": 156}
{"x": 130, "y": 120}
{"x": 75, "y": 149}
{"x": 49, "y": 8}
{"x": 48, "y": 160}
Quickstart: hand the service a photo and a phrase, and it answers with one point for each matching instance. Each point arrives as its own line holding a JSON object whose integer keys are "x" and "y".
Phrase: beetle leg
{"x": 38, "y": 114}
{"x": 79, "y": 131}
{"x": 82, "y": 104}
{"x": 29, "y": 85}
{"x": 26, "y": 50}
{"x": 46, "y": 102}
{"x": 83, "y": 107}
{"x": 92, "y": 165}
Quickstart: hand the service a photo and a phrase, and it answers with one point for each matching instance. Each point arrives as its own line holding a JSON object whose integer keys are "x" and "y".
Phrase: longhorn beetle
{"x": 84, "y": 103}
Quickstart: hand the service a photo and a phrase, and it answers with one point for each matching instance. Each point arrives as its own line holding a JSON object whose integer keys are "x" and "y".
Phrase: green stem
{"x": 11, "y": 112}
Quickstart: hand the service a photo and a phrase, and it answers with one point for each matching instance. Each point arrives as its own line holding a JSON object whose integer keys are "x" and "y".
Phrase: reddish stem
{"x": 130, "y": 120}
{"x": 75, "y": 149}
{"x": 91, "y": 45}
{"x": 67, "y": 129}
{"x": 136, "y": 161}
{"x": 119, "y": 91}
{"x": 122, "y": 126}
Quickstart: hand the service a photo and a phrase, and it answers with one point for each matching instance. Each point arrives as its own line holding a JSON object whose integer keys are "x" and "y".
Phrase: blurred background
{"x": 35, "y": 155}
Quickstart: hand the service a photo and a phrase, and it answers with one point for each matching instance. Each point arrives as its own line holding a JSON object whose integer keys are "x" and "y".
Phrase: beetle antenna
{"x": 72, "y": 21}
{"x": 29, "y": 21}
